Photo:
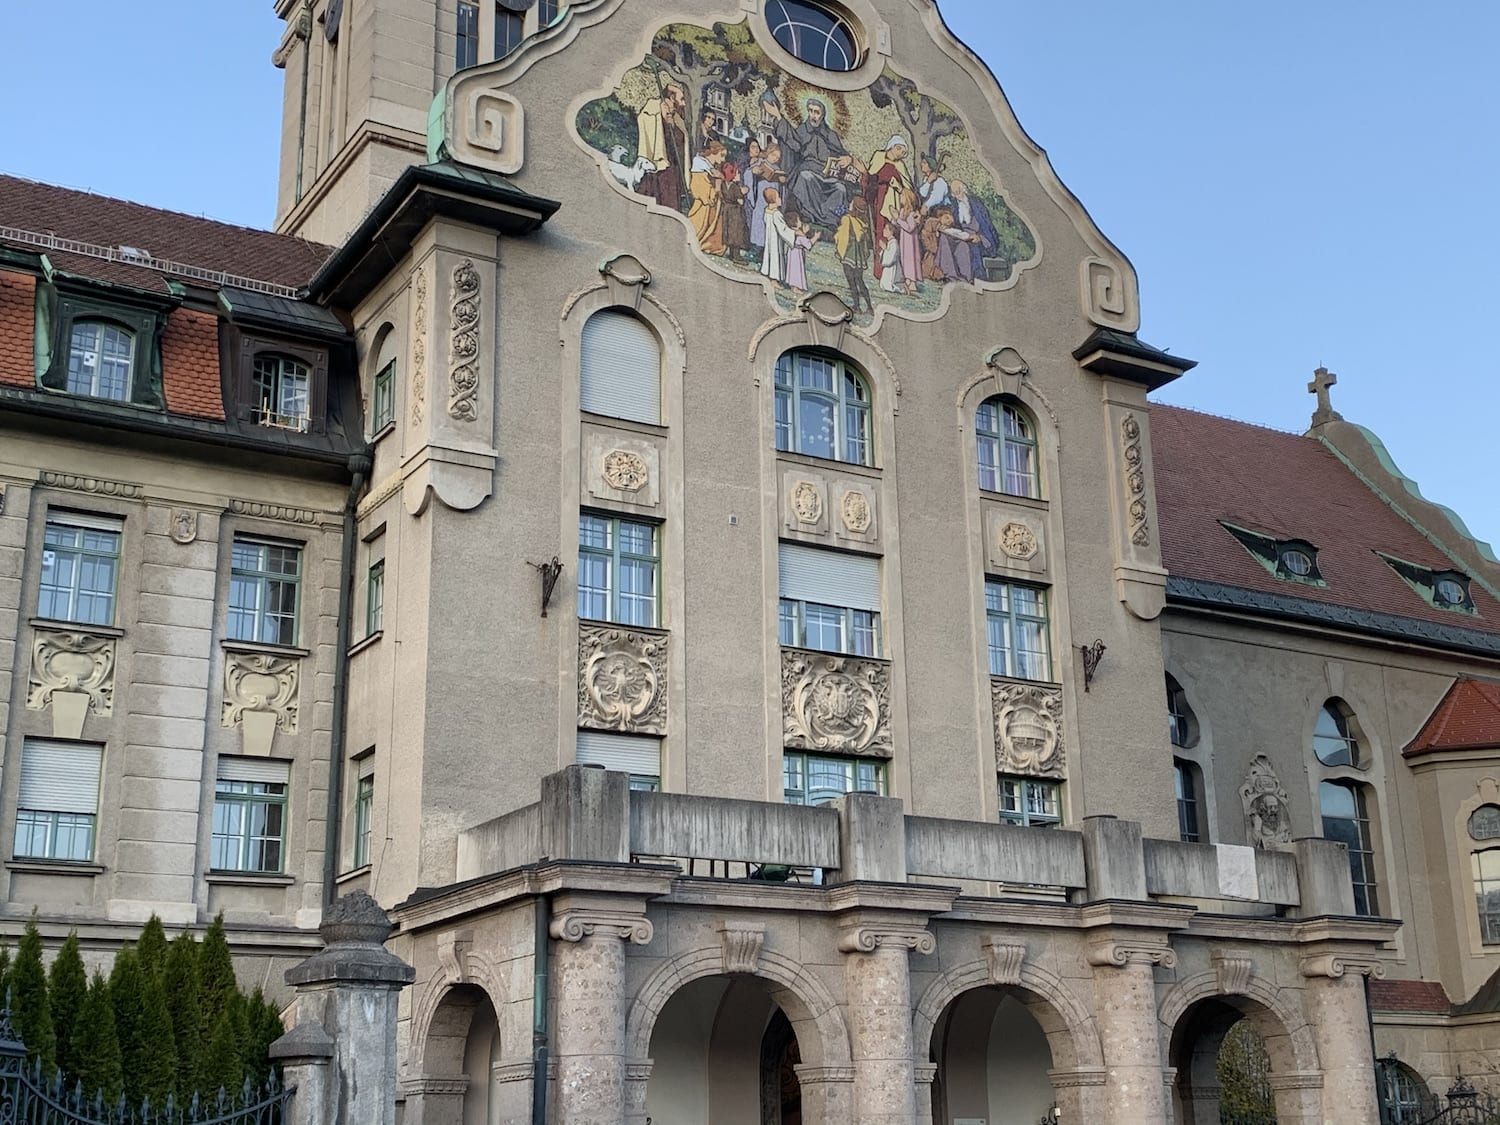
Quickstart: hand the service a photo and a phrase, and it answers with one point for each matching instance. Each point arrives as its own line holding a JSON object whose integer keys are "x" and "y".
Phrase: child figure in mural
{"x": 909, "y": 239}
{"x": 736, "y": 223}
{"x": 803, "y": 240}
{"x": 707, "y": 211}
{"x": 779, "y": 236}
{"x": 854, "y": 242}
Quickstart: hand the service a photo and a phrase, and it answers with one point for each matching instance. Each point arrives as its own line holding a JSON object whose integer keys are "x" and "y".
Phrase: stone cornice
{"x": 1128, "y": 914}
{"x": 1360, "y": 931}
{"x": 912, "y": 898}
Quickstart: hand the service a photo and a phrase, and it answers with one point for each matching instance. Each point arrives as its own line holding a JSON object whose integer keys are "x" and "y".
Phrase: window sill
{"x": 384, "y": 431}
{"x": 831, "y": 652}
{"x": 350, "y": 876}
{"x": 827, "y": 464}
{"x": 251, "y": 878}
{"x": 257, "y": 646}
{"x": 366, "y": 642}
{"x": 651, "y": 630}
{"x": 624, "y": 424}
{"x": 52, "y": 626}
{"x": 1011, "y": 498}
{"x": 55, "y": 867}
{"x": 1022, "y": 680}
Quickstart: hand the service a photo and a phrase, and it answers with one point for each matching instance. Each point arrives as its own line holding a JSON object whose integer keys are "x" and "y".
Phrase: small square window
{"x": 1029, "y": 802}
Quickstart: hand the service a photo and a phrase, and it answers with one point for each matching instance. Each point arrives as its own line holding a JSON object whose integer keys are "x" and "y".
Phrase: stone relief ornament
{"x": 1018, "y": 541}
{"x": 1135, "y": 481}
{"x": 838, "y": 703}
{"x": 72, "y": 662}
{"x": 625, "y": 471}
{"x": 463, "y": 372}
{"x": 622, "y": 680}
{"x": 855, "y": 510}
{"x": 184, "y": 526}
{"x": 261, "y": 682}
{"x": 1268, "y": 817}
{"x": 1028, "y": 728}
{"x": 419, "y": 348}
{"x": 807, "y": 502}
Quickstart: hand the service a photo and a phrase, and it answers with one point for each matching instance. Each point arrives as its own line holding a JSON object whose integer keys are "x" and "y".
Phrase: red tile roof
{"x": 190, "y": 364}
{"x": 1467, "y": 718}
{"x": 1287, "y": 486}
{"x": 169, "y": 235}
{"x": 1409, "y": 996}
{"x": 17, "y": 318}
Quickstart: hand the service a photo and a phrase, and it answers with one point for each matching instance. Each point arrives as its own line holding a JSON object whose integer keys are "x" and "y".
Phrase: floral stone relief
{"x": 622, "y": 679}
{"x": 835, "y": 703}
{"x": 1028, "y": 728}
{"x": 261, "y": 683}
{"x": 73, "y": 673}
{"x": 878, "y": 194}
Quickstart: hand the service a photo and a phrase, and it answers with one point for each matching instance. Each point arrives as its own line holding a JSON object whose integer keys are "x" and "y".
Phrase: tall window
{"x": 1017, "y": 619}
{"x": 375, "y": 598}
{"x": 1333, "y": 738}
{"x": 466, "y": 46}
{"x": 57, "y": 806}
{"x": 279, "y": 389}
{"x": 635, "y": 755}
{"x": 822, "y": 408}
{"x": 364, "y": 805}
{"x": 620, "y": 367}
{"x": 1185, "y": 775}
{"x": 1487, "y": 893}
{"x": 249, "y": 815}
{"x": 264, "y": 580}
{"x": 618, "y": 561}
{"x": 1006, "y": 440}
{"x": 815, "y": 779}
{"x": 80, "y": 567}
{"x": 1346, "y": 818}
{"x": 1031, "y": 803}
{"x": 510, "y": 29}
{"x": 547, "y": 12}
{"x": 1182, "y": 724}
{"x": 383, "y": 397}
{"x": 830, "y": 600}
{"x": 100, "y": 359}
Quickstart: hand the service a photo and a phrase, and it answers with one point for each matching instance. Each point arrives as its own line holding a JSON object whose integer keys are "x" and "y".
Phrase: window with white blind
{"x": 57, "y": 808}
{"x": 620, "y": 368}
{"x": 638, "y": 756}
{"x": 250, "y": 815}
{"x": 830, "y": 600}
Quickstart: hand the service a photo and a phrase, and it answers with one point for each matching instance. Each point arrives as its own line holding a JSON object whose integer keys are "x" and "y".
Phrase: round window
{"x": 1295, "y": 561}
{"x": 1450, "y": 591}
{"x": 814, "y": 34}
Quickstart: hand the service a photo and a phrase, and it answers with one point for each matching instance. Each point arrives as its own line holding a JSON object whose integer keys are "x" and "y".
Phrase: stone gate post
{"x": 342, "y": 1051}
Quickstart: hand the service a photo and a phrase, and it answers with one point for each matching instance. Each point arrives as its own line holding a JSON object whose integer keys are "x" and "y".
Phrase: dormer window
{"x": 101, "y": 357}
{"x": 1452, "y": 592}
{"x": 1443, "y": 589}
{"x": 281, "y": 386}
{"x": 95, "y": 348}
{"x": 1293, "y": 560}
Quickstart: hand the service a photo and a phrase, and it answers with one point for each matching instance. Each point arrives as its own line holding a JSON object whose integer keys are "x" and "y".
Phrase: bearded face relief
{"x": 877, "y": 195}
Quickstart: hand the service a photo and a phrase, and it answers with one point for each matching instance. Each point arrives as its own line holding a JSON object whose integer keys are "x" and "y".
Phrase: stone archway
{"x": 459, "y": 1050}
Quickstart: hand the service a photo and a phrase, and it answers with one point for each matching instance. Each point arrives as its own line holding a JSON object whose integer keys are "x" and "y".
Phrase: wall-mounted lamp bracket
{"x": 1092, "y": 654}
{"x": 550, "y": 571}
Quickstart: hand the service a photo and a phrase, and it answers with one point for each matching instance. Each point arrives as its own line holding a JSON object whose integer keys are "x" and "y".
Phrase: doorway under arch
{"x": 463, "y": 1041}
{"x": 993, "y": 1059}
{"x": 1228, "y": 1051}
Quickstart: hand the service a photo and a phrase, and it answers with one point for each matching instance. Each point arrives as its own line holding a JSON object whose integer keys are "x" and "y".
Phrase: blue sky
{"x": 1298, "y": 183}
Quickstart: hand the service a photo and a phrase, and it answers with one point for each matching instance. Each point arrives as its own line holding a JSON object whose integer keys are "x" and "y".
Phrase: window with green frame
{"x": 1005, "y": 440}
{"x": 822, "y": 408}
{"x": 265, "y": 580}
{"x": 817, "y": 779}
{"x": 98, "y": 349}
{"x": 829, "y": 628}
{"x": 618, "y": 564}
{"x": 364, "y": 805}
{"x": 249, "y": 829}
{"x": 383, "y": 398}
{"x": 57, "y": 803}
{"x": 375, "y": 599}
{"x": 1016, "y": 617}
{"x": 80, "y": 568}
{"x": 1030, "y": 802}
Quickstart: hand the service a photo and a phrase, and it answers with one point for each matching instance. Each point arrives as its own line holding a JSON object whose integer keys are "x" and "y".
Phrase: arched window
{"x": 813, "y": 33}
{"x": 1403, "y": 1095}
{"x": 383, "y": 382}
{"x": 1189, "y": 785}
{"x": 1487, "y": 893}
{"x": 101, "y": 357}
{"x": 620, "y": 368}
{"x": 1006, "y": 440}
{"x": 822, "y": 408}
{"x": 1334, "y": 741}
{"x": 279, "y": 391}
{"x": 1182, "y": 724}
{"x": 1346, "y": 818}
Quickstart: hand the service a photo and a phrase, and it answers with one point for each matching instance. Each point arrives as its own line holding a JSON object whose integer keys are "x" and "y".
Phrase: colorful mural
{"x": 877, "y": 194}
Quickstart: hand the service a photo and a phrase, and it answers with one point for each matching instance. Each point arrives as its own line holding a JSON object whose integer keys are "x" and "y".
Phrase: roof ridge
{"x": 1228, "y": 418}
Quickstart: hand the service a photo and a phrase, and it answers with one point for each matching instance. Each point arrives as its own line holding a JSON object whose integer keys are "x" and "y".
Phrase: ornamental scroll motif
{"x": 463, "y": 373}
{"x": 837, "y": 703}
{"x": 1135, "y": 481}
{"x": 261, "y": 681}
{"x": 74, "y": 662}
{"x": 419, "y": 349}
{"x": 1028, "y": 728}
{"x": 1268, "y": 817}
{"x": 622, "y": 680}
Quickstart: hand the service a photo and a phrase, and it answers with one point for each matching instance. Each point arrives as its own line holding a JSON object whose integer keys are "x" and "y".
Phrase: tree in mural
{"x": 696, "y": 57}
{"x": 928, "y": 121}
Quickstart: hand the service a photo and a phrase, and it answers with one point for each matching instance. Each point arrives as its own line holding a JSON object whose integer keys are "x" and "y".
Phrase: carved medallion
{"x": 1135, "y": 481}
{"x": 1268, "y": 817}
{"x": 838, "y": 703}
{"x": 1484, "y": 823}
{"x": 1028, "y": 728}
{"x": 1018, "y": 541}
{"x": 855, "y": 510}
{"x": 622, "y": 680}
{"x": 463, "y": 373}
{"x": 184, "y": 526}
{"x": 260, "y": 681}
{"x": 625, "y": 471}
{"x": 72, "y": 662}
{"x": 807, "y": 502}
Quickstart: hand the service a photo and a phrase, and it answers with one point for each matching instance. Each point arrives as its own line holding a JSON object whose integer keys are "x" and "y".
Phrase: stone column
{"x": 637, "y": 1082}
{"x": 434, "y": 1099}
{"x": 1334, "y": 1001}
{"x": 588, "y": 1043}
{"x": 827, "y": 1094}
{"x": 346, "y": 997}
{"x": 1079, "y": 1092}
{"x": 306, "y": 1057}
{"x": 877, "y": 985}
{"x": 926, "y": 1075}
{"x": 1125, "y": 1010}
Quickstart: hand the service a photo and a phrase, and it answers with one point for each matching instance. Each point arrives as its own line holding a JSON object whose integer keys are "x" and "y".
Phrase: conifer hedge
{"x": 169, "y": 1019}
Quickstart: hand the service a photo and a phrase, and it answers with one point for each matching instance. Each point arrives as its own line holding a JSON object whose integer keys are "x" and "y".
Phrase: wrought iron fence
{"x": 1462, "y": 1105}
{"x": 28, "y": 1097}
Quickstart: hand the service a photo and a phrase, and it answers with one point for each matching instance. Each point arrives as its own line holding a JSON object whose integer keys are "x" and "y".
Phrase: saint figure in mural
{"x": 707, "y": 212}
{"x": 821, "y": 175}
{"x": 661, "y": 140}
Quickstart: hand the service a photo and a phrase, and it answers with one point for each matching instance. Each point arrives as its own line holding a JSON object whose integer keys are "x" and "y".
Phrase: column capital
{"x": 808, "y": 1074}
{"x": 574, "y": 925}
{"x": 1336, "y": 964}
{"x": 1296, "y": 1080}
{"x": 1132, "y": 949}
{"x": 439, "y": 1084}
{"x": 867, "y": 937}
{"x": 925, "y": 1073}
{"x": 1078, "y": 1076}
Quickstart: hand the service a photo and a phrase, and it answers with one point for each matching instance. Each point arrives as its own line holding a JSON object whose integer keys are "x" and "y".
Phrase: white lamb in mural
{"x": 629, "y": 175}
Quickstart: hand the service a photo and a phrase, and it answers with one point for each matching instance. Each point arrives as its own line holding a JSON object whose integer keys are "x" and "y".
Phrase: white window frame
{"x": 1018, "y": 807}
{"x": 251, "y": 788}
{"x": 100, "y": 330}
{"x": 1001, "y": 426}
{"x": 620, "y": 608}
{"x": 281, "y": 395}
{"x": 636, "y": 755}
